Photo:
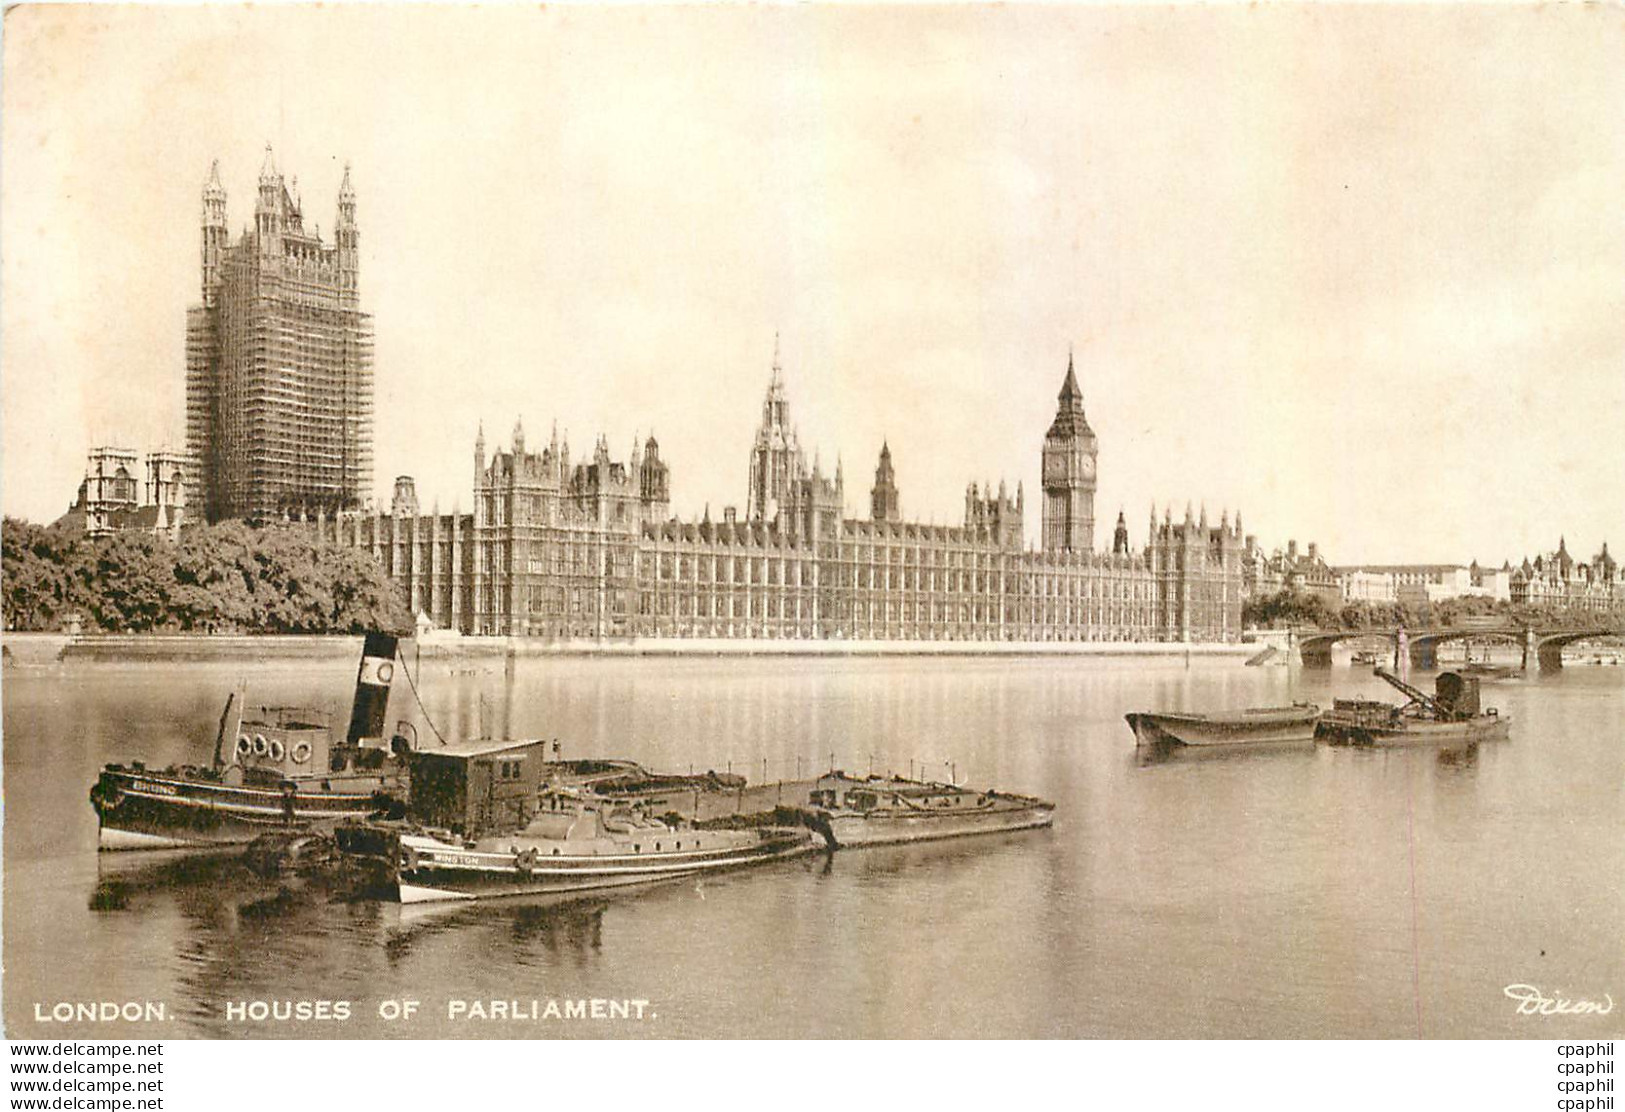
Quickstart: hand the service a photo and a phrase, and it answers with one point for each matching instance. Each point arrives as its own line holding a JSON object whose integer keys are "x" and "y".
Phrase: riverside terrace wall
{"x": 133, "y": 648}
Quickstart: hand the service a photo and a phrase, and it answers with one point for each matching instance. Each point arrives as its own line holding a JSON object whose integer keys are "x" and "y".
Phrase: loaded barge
{"x": 884, "y": 810}
{"x": 1450, "y": 716}
{"x": 491, "y": 818}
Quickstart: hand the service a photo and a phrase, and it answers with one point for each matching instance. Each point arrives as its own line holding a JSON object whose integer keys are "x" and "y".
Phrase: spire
{"x": 778, "y": 367}
{"x": 1071, "y": 395}
{"x": 1070, "y": 422}
{"x": 268, "y": 172}
{"x": 346, "y": 222}
{"x": 212, "y": 189}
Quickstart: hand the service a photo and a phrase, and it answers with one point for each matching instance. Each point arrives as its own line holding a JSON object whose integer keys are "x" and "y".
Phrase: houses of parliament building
{"x": 587, "y": 548}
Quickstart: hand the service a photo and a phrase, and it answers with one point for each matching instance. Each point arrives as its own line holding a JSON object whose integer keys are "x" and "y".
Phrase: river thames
{"x": 1318, "y": 892}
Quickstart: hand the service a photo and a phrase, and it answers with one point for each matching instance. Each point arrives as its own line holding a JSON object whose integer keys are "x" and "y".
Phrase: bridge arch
{"x": 1549, "y": 646}
{"x": 1544, "y": 646}
{"x": 1316, "y": 648}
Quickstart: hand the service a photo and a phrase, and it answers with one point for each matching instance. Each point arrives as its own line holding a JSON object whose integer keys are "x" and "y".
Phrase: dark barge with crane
{"x": 1450, "y": 716}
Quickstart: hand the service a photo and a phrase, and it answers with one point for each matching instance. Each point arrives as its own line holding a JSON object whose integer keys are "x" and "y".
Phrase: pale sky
{"x": 1359, "y": 272}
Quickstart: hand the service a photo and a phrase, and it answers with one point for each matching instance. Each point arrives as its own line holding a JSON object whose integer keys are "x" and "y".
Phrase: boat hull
{"x": 1412, "y": 733}
{"x": 1294, "y": 727}
{"x": 853, "y": 829}
{"x": 139, "y": 810}
{"x": 424, "y": 869}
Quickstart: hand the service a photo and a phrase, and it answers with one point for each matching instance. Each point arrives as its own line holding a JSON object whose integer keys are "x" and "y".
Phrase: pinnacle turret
{"x": 212, "y": 189}
{"x": 268, "y": 171}
{"x": 1071, "y": 396}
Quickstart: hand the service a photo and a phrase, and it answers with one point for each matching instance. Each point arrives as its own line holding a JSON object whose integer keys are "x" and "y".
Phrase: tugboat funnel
{"x": 372, "y": 682}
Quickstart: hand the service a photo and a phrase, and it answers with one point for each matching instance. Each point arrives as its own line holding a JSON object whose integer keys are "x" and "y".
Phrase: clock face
{"x": 1087, "y": 467}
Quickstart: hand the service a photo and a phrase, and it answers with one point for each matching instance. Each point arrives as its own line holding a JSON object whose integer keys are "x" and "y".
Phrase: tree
{"x": 1289, "y": 608}
{"x": 226, "y": 578}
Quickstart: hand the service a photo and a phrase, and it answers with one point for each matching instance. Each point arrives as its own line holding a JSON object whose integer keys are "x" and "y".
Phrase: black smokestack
{"x": 372, "y": 682}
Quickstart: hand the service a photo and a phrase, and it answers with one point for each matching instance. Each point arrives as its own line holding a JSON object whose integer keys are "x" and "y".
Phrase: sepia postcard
{"x": 814, "y": 522}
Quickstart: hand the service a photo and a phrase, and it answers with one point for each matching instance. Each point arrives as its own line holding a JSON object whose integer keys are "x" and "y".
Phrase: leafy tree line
{"x": 1302, "y": 608}
{"x": 226, "y": 578}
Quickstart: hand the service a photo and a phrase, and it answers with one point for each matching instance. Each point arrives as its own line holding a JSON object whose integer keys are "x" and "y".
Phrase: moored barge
{"x": 1450, "y": 716}
{"x": 489, "y": 819}
{"x": 1253, "y": 726}
{"x": 884, "y": 810}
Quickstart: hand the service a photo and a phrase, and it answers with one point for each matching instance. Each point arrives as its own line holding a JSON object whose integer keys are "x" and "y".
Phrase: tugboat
{"x": 1451, "y": 715}
{"x": 883, "y": 810}
{"x": 280, "y": 772}
{"x": 1254, "y": 726}
{"x": 488, "y": 818}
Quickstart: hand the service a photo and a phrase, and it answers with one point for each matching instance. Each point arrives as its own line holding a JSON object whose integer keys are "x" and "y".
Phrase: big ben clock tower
{"x": 1069, "y": 474}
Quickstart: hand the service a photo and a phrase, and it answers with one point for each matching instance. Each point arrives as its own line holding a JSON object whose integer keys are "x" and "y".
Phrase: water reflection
{"x": 1462, "y": 758}
{"x": 1171, "y": 752}
{"x": 564, "y": 925}
{"x": 925, "y": 860}
{"x": 125, "y": 880}
{"x": 1285, "y": 867}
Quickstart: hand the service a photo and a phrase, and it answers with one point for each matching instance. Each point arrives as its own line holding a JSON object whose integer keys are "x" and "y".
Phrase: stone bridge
{"x": 1542, "y": 646}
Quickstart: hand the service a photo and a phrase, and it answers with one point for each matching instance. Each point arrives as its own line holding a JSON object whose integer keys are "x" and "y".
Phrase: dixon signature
{"x": 1532, "y": 1001}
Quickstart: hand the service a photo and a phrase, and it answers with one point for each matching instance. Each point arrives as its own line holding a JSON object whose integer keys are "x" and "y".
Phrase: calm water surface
{"x": 1322, "y": 892}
